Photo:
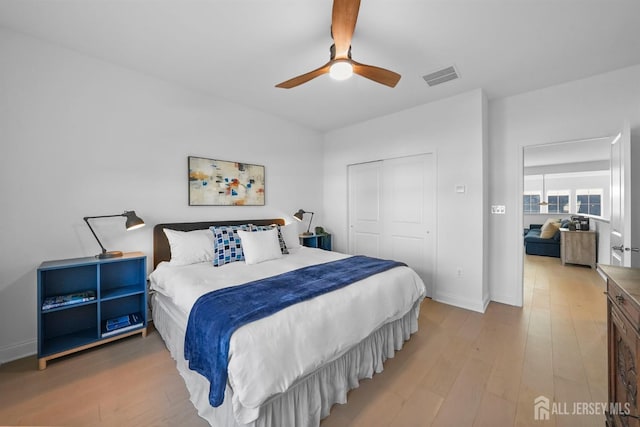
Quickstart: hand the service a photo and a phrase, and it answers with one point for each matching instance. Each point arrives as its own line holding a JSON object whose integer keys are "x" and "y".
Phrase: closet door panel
{"x": 365, "y": 223}
{"x": 409, "y": 195}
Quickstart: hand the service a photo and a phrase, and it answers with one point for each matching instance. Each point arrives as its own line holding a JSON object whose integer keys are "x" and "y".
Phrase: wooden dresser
{"x": 623, "y": 335}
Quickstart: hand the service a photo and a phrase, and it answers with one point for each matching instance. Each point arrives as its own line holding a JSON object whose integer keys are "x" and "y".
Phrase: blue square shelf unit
{"x": 320, "y": 241}
{"x": 117, "y": 287}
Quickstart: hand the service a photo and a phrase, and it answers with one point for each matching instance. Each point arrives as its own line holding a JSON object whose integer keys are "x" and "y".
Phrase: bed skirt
{"x": 306, "y": 402}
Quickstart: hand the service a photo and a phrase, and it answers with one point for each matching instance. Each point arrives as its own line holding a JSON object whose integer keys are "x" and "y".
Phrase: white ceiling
{"x": 239, "y": 49}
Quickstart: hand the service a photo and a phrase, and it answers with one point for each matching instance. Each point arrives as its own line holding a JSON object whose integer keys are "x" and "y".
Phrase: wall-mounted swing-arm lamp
{"x": 133, "y": 222}
{"x": 299, "y": 215}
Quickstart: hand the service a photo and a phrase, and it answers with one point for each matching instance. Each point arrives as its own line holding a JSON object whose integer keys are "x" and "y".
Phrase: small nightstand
{"x": 578, "y": 247}
{"x": 321, "y": 241}
{"x": 114, "y": 287}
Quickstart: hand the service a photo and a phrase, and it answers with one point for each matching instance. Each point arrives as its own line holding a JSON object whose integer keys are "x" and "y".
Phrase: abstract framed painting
{"x": 223, "y": 183}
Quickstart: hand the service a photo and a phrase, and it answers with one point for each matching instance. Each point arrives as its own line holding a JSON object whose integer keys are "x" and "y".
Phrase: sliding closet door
{"x": 408, "y": 213}
{"x": 365, "y": 224}
{"x": 392, "y": 211}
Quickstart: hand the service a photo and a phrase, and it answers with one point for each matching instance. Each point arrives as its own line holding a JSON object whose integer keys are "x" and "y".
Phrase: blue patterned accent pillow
{"x": 226, "y": 244}
{"x": 283, "y": 245}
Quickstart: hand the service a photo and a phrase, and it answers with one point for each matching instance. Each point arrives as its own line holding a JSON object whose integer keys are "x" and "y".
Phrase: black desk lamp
{"x": 299, "y": 215}
{"x": 133, "y": 222}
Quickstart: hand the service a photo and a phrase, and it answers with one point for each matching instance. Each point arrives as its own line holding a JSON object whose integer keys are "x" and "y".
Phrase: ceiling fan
{"x": 341, "y": 66}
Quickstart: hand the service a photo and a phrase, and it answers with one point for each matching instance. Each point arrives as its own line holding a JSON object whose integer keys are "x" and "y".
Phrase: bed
{"x": 289, "y": 368}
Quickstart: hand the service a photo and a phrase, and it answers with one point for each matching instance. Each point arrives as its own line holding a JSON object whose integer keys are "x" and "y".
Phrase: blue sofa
{"x": 534, "y": 245}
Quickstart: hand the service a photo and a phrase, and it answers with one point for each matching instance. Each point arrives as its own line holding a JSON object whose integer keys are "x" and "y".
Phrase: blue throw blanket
{"x": 216, "y": 315}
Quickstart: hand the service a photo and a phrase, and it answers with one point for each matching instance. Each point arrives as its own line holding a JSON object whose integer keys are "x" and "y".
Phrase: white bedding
{"x": 296, "y": 341}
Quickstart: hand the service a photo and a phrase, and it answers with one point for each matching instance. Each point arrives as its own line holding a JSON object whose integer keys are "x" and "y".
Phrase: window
{"x": 558, "y": 201}
{"x": 531, "y": 202}
{"x": 589, "y": 201}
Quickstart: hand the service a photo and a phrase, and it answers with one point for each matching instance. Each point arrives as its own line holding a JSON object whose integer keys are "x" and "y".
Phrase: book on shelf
{"x": 68, "y": 299}
{"x": 121, "y": 324}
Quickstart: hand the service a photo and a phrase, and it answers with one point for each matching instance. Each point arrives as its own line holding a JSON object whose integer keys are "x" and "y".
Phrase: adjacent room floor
{"x": 461, "y": 369}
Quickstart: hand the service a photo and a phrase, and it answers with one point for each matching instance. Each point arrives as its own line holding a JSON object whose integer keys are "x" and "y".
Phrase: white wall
{"x": 452, "y": 129}
{"x": 592, "y": 107}
{"x": 83, "y": 137}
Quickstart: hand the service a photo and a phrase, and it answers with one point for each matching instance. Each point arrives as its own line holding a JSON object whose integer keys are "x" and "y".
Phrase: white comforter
{"x": 267, "y": 356}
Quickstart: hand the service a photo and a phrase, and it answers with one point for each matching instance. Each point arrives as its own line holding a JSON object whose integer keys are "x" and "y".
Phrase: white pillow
{"x": 290, "y": 235}
{"x": 259, "y": 246}
{"x": 190, "y": 247}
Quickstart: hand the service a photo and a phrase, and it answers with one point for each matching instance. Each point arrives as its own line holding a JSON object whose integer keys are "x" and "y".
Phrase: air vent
{"x": 441, "y": 76}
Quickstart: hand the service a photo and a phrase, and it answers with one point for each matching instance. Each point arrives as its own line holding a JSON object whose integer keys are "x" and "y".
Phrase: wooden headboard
{"x": 161, "y": 249}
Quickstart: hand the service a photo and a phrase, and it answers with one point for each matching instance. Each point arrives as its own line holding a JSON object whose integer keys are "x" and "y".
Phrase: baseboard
{"x": 485, "y": 303}
{"x": 504, "y": 299}
{"x": 466, "y": 303}
{"x": 18, "y": 351}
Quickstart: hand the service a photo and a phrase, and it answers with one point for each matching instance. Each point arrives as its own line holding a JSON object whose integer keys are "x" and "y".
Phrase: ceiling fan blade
{"x": 303, "y": 78}
{"x": 343, "y": 24}
{"x": 377, "y": 74}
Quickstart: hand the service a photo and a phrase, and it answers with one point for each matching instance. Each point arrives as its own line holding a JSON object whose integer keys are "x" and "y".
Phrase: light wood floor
{"x": 461, "y": 369}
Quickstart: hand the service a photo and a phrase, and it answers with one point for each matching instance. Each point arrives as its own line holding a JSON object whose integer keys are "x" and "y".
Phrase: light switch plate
{"x": 498, "y": 209}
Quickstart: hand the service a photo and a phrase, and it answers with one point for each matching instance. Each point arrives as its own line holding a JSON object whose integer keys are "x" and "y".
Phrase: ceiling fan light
{"x": 341, "y": 70}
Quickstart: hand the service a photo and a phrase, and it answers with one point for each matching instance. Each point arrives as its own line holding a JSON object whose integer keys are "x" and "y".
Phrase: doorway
{"x": 563, "y": 179}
